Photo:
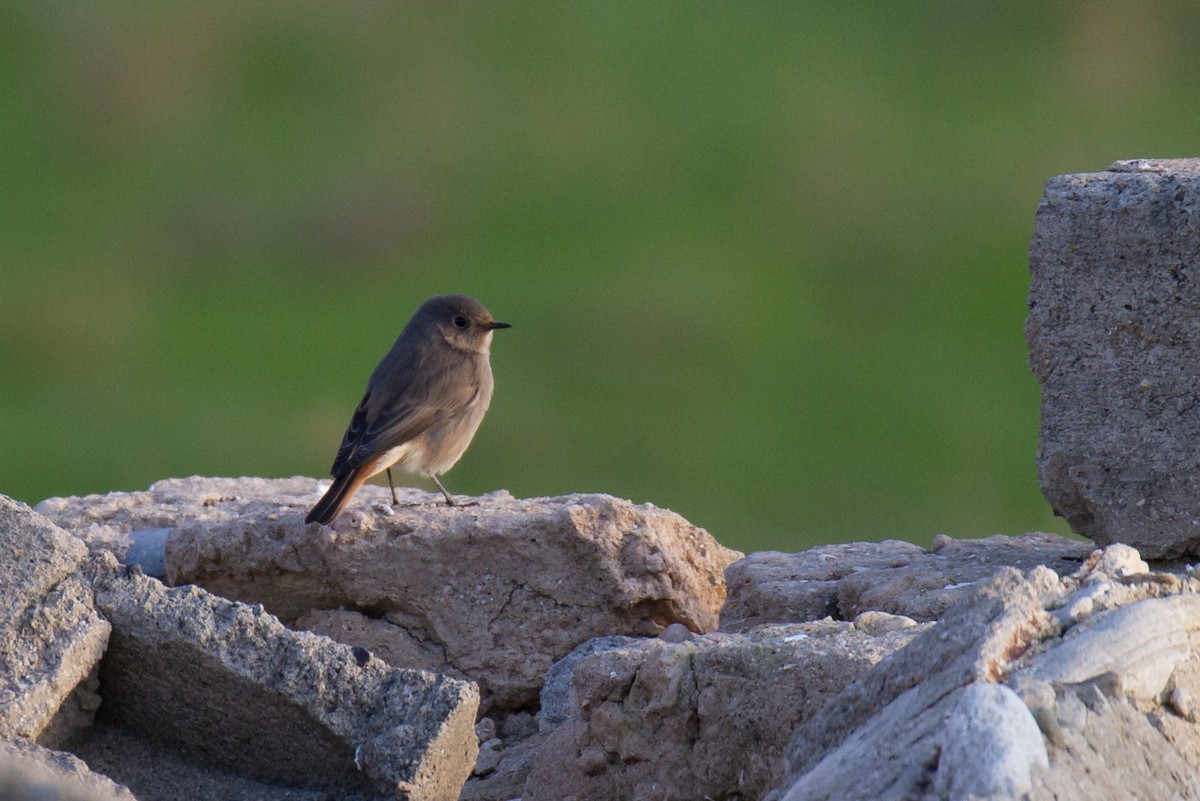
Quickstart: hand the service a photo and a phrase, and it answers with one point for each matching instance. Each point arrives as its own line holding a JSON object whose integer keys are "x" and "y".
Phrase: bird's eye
{"x": 459, "y": 321}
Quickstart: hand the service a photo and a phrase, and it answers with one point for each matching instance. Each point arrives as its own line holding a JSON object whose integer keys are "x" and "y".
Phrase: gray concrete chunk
{"x": 1113, "y": 331}
{"x": 227, "y": 684}
{"x": 51, "y": 637}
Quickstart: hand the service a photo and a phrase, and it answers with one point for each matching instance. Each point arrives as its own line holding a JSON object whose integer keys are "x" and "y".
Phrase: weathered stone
{"x": 882, "y": 729}
{"x": 1121, "y": 751}
{"x": 497, "y": 592}
{"x": 997, "y": 700}
{"x": 558, "y": 699}
{"x": 774, "y": 587}
{"x": 707, "y": 718}
{"x": 51, "y": 636}
{"x": 225, "y": 684}
{"x": 990, "y": 746}
{"x": 29, "y": 772}
{"x": 899, "y": 578}
{"x": 506, "y": 780}
{"x": 381, "y": 638}
{"x": 1139, "y": 645}
{"x": 1113, "y": 329}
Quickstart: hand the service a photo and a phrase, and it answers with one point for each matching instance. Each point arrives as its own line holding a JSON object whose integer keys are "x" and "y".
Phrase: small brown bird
{"x": 423, "y": 403}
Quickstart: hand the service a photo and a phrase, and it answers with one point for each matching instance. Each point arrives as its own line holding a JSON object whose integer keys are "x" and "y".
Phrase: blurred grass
{"x": 766, "y": 263}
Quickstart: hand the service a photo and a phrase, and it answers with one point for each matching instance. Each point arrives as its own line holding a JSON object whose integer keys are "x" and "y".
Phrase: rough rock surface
{"x": 706, "y": 718}
{"x": 1078, "y": 676}
{"x": 496, "y": 592}
{"x": 1031, "y": 685}
{"x": 225, "y": 680}
{"x": 843, "y": 581}
{"x": 1113, "y": 329}
{"x": 29, "y": 772}
{"x": 51, "y": 636}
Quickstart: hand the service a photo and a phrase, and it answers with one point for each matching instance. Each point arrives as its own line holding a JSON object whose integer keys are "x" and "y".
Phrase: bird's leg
{"x": 392, "y": 487}
{"x": 449, "y": 499}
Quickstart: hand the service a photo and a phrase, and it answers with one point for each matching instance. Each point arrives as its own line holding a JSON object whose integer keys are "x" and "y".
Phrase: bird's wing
{"x": 396, "y": 409}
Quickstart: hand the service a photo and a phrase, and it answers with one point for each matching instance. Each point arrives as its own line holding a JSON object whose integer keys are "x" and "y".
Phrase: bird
{"x": 423, "y": 402}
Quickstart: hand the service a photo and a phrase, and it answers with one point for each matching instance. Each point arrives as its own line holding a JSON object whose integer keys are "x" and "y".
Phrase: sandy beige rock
{"x": 892, "y": 576}
{"x": 51, "y": 636}
{"x": 501, "y": 589}
{"x": 707, "y": 718}
{"x": 225, "y": 684}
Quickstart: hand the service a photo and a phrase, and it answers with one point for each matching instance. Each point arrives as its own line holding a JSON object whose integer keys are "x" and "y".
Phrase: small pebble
{"x": 361, "y": 655}
{"x": 875, "y": 622}
{"x": 1180, "y": 700}
{"x": 489, "y": 757}
{"x": 485, "y": 729}
{"x": 675, "y": 633}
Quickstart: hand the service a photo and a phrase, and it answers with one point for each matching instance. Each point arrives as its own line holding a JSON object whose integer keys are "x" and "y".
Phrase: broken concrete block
{"x": 1113, "y": 332}
{"x": 51, "y": 637}
{"x": 226, "y": 684}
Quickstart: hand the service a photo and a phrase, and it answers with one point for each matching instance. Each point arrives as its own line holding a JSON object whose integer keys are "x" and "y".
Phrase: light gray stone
{"x": 1005, "y": 698}
{"x": 148, "y": 550}
{"x": 558, "y": 691}
{"x": 990, "y": 745}
{"x": 883, "y": 728}
{"x": 775, "y": 587}
{"x": 1113, "y": 330}
{"x": 51, "y": 637}
{"x": 1139, "y": 645}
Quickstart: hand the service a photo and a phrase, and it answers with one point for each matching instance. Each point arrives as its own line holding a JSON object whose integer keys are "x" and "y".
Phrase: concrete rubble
{"x": 495, "y": 592}
{"x": 710, "y": 717}
{"x": 51, "y": 637}
{"x": 1034, "y": 686}
{"x": 990, "y": 668}
{"x": 165, "y": 688}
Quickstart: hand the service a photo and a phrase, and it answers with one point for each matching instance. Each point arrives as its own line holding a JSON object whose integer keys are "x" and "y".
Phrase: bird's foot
{"x": 452, "y": 502}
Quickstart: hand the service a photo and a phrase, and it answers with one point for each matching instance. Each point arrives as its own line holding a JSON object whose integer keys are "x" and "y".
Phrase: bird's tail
{"x": 334, "y": 501}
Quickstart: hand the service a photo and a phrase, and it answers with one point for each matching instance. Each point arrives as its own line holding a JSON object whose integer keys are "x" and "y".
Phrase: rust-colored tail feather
{"x": 335, "y": 500}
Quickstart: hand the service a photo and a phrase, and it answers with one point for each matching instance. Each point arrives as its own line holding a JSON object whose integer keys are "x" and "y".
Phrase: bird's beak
{"x": 493, "y": 325}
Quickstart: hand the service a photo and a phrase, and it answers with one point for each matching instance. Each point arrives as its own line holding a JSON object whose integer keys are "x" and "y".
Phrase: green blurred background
{"x": 766, "y": 263}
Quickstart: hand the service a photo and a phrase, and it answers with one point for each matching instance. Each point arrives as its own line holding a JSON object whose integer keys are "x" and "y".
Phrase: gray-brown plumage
{"x": 423, "y": 403}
